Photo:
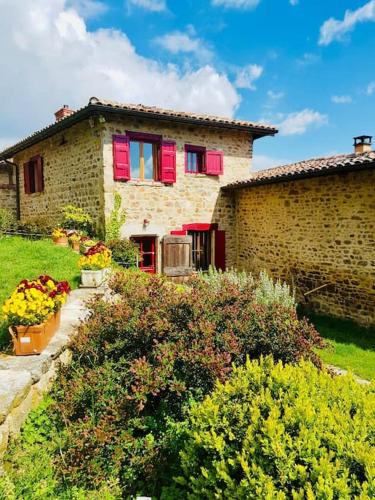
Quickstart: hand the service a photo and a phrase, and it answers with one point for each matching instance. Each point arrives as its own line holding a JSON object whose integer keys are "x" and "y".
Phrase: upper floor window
{"x": 194, "y": 159}
{"x": 144, "y": 160}
{"x": 33, "y": 175}
{"x": 199, "y": 160}
{"x": 144, "y": 157}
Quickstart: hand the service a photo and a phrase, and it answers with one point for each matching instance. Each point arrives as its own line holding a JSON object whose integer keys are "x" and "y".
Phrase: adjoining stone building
{"x": 168, "y": 167}
{"x": 312, "y": 224}
{"x": 8, "y": 187}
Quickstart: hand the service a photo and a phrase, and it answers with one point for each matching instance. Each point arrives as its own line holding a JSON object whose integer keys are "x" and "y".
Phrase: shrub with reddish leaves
{"x": 140, "y": 358}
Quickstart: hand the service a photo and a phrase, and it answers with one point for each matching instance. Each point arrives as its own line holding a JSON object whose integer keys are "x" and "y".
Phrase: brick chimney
{"x": 63, "y": 112}
{"x": 362, "y": 144}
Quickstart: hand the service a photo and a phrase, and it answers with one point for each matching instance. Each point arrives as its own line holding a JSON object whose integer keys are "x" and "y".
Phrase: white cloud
{"x": 53, "y": 59}
{"x": 261, "y": 162}
{"x": 294, "y": 2}
{"x": 247, "y": 75}
{"x": 152, "y": 5}
{"x": 275, "y": 96}
{"x": 180, "y": 42}
{"x": 370, "y": 89}
{"x": 298, "y": 122}
{"x": 307, "y": 59}
{"x": 333, "y": 29}
{"x": 88, "y": 8}
{"x": 236, "y": 4}
{"x": 341, "y": 99}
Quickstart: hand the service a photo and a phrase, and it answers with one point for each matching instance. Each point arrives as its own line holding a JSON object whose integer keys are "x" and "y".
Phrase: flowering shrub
{"x": 274, "y": 292}
{"x": 34, "y": 301}
{"x": 95, "y": 258}
{"x": 58, "y": 233}
{"x": 279, "y": 432}
{"x": 140, "y": 358}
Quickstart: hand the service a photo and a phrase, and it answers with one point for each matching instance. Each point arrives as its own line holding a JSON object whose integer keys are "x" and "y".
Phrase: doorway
{"x": 201, "y": 249}
{"x": 147, "y": 253}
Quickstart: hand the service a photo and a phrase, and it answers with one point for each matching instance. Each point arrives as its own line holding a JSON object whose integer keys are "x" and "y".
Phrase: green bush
{"x": 124, "y": 252}
{"x": 277, "y": 432}
{"x": 270, "y": 292}
{"x": 7, "y": 220}
{"x": 75, "y": 218}
{"x": 116, "y": 219}
{"x": 140, "y": 358}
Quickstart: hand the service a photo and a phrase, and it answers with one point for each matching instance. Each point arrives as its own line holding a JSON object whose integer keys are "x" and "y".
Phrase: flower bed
{"x": 32, "y": 312}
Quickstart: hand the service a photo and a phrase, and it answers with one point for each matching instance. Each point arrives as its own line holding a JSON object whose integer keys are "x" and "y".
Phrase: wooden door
{"x": 177, "y": 255}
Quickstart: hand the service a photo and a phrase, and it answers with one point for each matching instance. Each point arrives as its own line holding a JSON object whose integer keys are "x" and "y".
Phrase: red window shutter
{"x": 121, "y": 158}
{"x": 179, "y": 233}
{"x": 220, "y": 250}
{"x": 168, "y": 162}
{"x": 39, "y": 178}
{"x": 214, "y": 163}
{"x": 26, "y": 177}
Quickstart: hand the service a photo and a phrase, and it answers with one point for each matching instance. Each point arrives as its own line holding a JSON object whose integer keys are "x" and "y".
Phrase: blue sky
{"x": 307, "y": 66}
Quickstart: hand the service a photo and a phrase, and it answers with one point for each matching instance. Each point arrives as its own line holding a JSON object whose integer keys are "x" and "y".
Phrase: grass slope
{"x": 21, "y": 258}
{"x": 353, "y": 346}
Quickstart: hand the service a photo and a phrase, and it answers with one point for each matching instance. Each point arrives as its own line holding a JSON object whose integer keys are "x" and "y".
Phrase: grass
{"x": 352, "y": 346}
{"x": 26, "y": 259}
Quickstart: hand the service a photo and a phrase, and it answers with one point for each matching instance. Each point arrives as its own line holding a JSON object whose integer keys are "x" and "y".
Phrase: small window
{"x": 33, "y": 176}
{"x": 144, "y": 160}
{"x": 194, "y": 159}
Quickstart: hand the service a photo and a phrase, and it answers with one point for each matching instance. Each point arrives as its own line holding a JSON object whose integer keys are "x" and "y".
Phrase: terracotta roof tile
{"x": 96, "y": 105}
{"x": 309, "y": 168}
{"x": 182, "y": 114}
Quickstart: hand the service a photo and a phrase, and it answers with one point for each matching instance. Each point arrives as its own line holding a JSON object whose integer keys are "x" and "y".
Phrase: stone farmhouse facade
{"x": 168, "y": 167}
{"x": 185, "y": 176}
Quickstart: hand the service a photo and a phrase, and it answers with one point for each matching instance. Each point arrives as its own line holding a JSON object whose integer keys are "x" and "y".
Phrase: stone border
{"x": 25, "y": 379}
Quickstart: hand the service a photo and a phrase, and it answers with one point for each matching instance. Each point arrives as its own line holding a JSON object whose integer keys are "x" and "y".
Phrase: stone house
{"x": 312, "y": 224}
{"x": 168, "y": 167}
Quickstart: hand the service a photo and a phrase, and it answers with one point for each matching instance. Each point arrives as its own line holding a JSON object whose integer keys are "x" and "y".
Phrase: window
{"x": 33, "y": 175}
{"x": 201, "y": 249}
{"x": 194, "y": 159}
{"x": 147, "y": 253}
{"x": 144, "y": 160}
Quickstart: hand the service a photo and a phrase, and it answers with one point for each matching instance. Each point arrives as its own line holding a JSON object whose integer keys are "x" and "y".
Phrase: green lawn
{"x": 21, "y": 258}
{"x": 352, "y": 346}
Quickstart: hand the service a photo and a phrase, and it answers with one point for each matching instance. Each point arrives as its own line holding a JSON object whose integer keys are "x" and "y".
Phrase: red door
{"x": 147, "y": 253}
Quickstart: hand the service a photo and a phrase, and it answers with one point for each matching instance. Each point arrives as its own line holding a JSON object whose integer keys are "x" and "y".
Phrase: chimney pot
{"x": 63, "y": 112}
{"x": 362, "y": 144}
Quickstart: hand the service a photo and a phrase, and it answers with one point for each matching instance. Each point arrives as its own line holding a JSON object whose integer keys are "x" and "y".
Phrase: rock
{"x": 14, "y": 385}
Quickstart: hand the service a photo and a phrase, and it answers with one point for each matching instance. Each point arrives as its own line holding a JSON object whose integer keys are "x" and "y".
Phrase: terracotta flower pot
{"x": 93, "y": 279}
{"x": 33, "y": 339}
{"x": 62, "y": 241}
{"x": 75, "y": 246}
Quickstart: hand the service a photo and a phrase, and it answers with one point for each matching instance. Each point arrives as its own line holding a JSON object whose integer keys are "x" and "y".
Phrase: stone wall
{"x": 8, "y": 194}
{"x": 72, "y": 163}
{"x": 194, "y": 197}
{"x": 314, "y": 232}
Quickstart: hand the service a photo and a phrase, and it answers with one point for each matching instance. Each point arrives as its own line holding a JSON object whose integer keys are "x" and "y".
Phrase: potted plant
{"x": 60, "y": 237}
{"x": 75, "y": 242}
{"x": 33, "y": 313}
{"x": 86, "y": 243}
{"x": 94, "y": 265}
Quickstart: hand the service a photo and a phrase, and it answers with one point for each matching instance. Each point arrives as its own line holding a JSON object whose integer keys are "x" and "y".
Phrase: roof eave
{"x": 97, "y": 109}
{"x": 300, "y": 176}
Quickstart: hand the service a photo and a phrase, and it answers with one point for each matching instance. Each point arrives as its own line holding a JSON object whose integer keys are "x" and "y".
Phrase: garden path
{"x": 24, "y": 379}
